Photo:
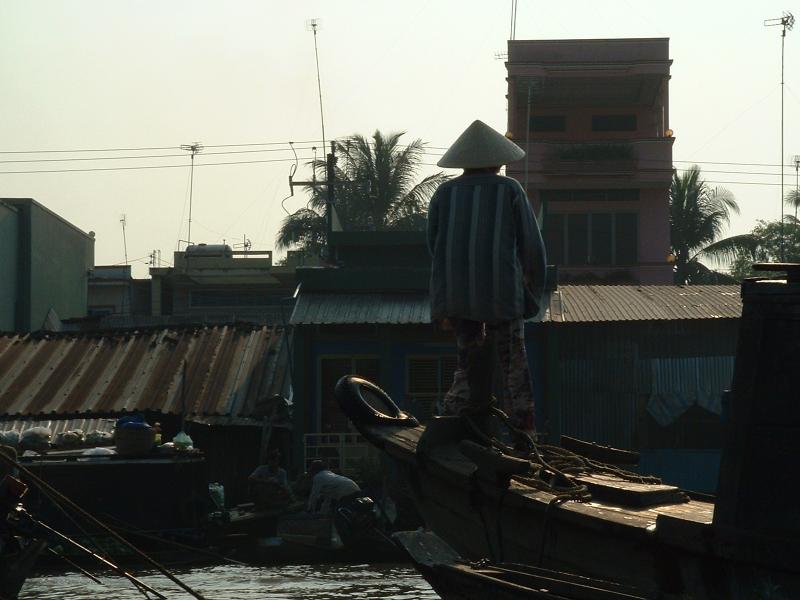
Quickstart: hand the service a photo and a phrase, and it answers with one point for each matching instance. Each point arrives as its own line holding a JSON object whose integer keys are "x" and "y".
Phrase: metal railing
{"x": 345, "y": 453}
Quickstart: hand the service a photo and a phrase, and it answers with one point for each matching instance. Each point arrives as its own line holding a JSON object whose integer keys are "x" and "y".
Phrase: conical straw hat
{"x": 480, "y": 146}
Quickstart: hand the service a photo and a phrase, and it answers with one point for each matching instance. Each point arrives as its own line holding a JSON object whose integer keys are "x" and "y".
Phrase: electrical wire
{"x": 91, "y": 158}
{"x": 239, "y": 162}
{"x": 147, "y": 148}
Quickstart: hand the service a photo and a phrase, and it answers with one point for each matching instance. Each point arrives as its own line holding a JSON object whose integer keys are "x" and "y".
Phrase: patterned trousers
{"x": 513, "y": 361}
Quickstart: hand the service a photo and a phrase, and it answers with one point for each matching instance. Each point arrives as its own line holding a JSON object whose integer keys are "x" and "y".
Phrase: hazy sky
{"x": 114, "y": 74}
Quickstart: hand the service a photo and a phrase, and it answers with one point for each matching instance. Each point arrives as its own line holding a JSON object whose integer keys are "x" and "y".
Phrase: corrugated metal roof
{"x": 339, "y": 309}
{"x": 228, "y": 368}
{"x": 57, "y": 426}
{"x": 594, "y": 303}
{"x": 568, "y": 304}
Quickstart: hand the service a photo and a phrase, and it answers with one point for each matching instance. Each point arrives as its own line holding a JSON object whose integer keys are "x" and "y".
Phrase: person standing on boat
{"x": 488, "y": 268}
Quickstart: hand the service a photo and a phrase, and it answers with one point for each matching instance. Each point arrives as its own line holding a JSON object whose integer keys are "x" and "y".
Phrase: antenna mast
{"x": 124, "y": 222}
{"x": 513, "y": 34}
{"x": 313, "y": 25}
{"x": 194, "y": 148}
{"x": 786, "y": 22}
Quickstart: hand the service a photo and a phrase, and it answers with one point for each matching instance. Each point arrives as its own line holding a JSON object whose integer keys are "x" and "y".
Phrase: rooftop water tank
{"x": 210, "y": 250}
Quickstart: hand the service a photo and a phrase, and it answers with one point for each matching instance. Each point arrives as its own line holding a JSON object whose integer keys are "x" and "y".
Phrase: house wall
{"x": 601, "y": 377}
{"x": 578, "y": 79}
{"x": 393, "y": 346}
{"x": 9, "y": 266}
{"x": 53, "y": 262}
{"x": 61, "y": 258}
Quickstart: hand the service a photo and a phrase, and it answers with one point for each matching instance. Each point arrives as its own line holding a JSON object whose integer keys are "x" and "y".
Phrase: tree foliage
{"x": 766, "y": 246}
{"x": 698, "y": 214}
{"x": 376, "y": 189}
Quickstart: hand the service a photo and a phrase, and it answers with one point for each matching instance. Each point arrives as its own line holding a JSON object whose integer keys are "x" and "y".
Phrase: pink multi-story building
{"x": 593, "y": 116}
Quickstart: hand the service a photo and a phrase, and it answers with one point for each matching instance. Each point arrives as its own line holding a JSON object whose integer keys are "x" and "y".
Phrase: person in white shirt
{"x": 328, "y": 488}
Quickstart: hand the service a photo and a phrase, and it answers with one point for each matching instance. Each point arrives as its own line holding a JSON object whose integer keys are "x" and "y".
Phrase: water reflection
{"x": 322, "y": 582}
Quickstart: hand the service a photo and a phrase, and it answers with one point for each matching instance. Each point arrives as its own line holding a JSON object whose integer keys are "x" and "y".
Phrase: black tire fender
{"x": 351, "y": 393}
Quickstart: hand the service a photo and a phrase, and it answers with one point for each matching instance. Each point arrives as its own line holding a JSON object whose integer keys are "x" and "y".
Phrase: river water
{"x": 318, "y": 582}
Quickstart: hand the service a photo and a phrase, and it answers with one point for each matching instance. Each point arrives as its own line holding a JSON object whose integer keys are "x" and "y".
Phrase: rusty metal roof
{"x": 227, "y": 369}
{"x": 387, "y": 308}
{"x": 595, "y": 303}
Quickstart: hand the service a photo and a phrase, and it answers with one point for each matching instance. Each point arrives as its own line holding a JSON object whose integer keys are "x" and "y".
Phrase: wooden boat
{"x": 485, "y": 502}
{"x": 19, "y": 549}
{"x": 456, "y": 579}
{"x": 352, "y": 534}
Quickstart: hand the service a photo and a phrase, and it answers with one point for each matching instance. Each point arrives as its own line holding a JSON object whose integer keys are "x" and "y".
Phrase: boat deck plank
{"x": 700, "y": 513}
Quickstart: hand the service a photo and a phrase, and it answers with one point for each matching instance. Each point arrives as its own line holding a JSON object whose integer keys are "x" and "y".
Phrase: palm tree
{"x": 698, "y": 214}
{"x": 793, "y": 200}
{"x": 375, "y": 189}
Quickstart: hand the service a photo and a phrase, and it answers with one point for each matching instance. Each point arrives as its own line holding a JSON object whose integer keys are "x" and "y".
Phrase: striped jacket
{"x": 488, "y": 256}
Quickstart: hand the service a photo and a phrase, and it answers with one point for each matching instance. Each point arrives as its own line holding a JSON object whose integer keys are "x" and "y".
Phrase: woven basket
{"x": 131, "y": 442}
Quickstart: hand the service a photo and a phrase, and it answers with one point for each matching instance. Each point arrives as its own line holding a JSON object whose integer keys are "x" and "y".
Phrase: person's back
{"x": 327, "y": 488}
{"x": 485, "y": 247}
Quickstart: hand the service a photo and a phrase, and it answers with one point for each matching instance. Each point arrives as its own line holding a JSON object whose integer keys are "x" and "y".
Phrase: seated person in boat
{"x": 269, "y": 485}
{"x": 487, "y": 273}
{"x": 328, "y": 489}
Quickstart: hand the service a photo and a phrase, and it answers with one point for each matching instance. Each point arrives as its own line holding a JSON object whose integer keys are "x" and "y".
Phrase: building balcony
{"x": 643, "y": 162}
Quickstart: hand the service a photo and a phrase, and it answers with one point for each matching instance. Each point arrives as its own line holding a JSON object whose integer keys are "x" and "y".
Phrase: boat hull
{"x": 670, "y": 550}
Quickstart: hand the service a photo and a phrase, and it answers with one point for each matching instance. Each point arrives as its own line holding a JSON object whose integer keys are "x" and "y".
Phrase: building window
{"x": 428, "y": 379}
{"x": 547, "y": 123}
{"x": 581, "y": 239}
{"x": 614, "y": 123}
{"x": 333, "y": 368}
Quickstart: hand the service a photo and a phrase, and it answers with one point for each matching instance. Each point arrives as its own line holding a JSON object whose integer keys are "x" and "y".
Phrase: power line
{"x": 238, "y": 162}
{"x": 148, "y": 148}
{"x": 143, "y": 156}
{"x": 666, "y": 164}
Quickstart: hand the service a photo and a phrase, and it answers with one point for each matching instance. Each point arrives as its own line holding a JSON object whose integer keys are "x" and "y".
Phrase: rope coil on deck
{"x": 553, "y": 469}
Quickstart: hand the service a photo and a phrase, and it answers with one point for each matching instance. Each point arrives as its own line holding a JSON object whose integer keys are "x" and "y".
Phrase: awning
{"x": 342, "y": 309}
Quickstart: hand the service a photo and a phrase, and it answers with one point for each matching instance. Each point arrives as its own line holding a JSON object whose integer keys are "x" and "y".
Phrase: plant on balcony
{"x": 605, "y": 151}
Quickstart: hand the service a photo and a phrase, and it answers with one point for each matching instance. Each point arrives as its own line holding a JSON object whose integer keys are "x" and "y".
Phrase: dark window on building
{"x": 554, "y": 238}
{"x": 429, "y": 378}
{"x": 626, "y": 238}
{"x": 625, "y": 195}
{"x": 547, "y": 123}
{"x": 332, "y": 418}
{"x": 602, "y": 233}
{"x": 577, "y": 239}
{"x": 614, "y": 123}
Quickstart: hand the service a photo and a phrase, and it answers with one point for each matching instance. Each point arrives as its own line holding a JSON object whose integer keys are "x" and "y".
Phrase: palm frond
{"x": 727, "y": 249}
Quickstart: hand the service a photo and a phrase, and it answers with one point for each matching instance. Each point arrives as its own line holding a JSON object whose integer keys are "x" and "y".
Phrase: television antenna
{"x": 513, "y": 34}
{"x": 313, "y": 25}
{"x": 124, "y": 221}
{"x": 195, "y": 148}
{"x": 786, "y": 22}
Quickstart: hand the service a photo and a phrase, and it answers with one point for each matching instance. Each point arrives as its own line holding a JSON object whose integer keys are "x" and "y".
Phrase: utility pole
{"x": 195, "y": 148}
{"x": 786, "y": 22}
{"x": 124, "y": 222}
{"x": 330, "y": 194}
{"x": 796, "y": 184}
{"x": 313, "y": 25}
